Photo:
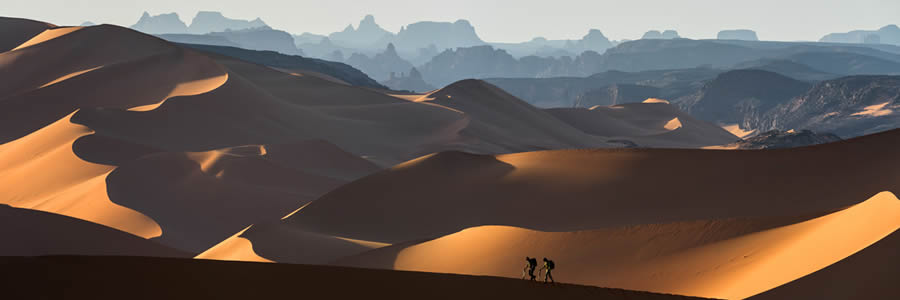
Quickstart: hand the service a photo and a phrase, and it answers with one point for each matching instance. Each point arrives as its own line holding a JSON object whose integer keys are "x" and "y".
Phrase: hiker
{"x": 548, "y": 265}
{"x": 530, "y": 265}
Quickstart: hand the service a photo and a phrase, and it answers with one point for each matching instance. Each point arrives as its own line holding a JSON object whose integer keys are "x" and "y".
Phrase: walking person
{"x": 549, "y": 266}
{"x": 530, "y": 265}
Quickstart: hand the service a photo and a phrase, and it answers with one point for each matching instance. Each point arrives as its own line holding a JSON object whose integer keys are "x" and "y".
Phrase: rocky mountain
{"x": 87, "y": 23}
{"x": 382, "y": 65}
{"x": 338, "y": 71}
{"x": 164, "y": 23}
{"x": 412, "y": 82}
{"x": 849, "y": 107}
{"x": 365, "y": 35}
{"x": 211, "y": 21}
{"x": 261, "y": 38}
{"x": 889, "y": 34}
{"x": 307, "y": 38}
{"x": 325, "y": 49}
{"x": 737, "y": 34}
{"x": 593, "y": 41}
{"x": 582, "y": 91}
{"x": 778, "y": 139}
{"x": 788, "y": 68}
{"x": 200, "y": 39}
{"x": 656, "y": 35}
{"x": 443, "y": 35}
{"x": 472, "y": 62}
{"x": 741, "y": 97}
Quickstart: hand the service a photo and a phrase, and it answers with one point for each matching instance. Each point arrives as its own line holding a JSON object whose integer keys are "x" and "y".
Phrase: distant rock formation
{"x": 210, "y": 21}
{"x": 656, "y": 35}
{"x": 204, "y": 22}
{"x": 593, "y": 41}
{"x": 617, "y": 94}
{"x": 262, "y": 38}
{"x": 366, "y": 34}
{"x": 442, "y": 35}
{"x": 742, "y": 97}
{"x": 164, "y": 23}
{"x": 849, "y": 107}
{"x": 779, "y": 139}
{"x": 738, "y": 34}
{"x": 199, "y": 39}
{"x": 886, "y": 35}
{"x": 412, "y": 82}
{"x": 382, "y": 65}
{"x": 471, "y": 62}
{"x": 87, "y": 23}
{"x": 307, "y": 38}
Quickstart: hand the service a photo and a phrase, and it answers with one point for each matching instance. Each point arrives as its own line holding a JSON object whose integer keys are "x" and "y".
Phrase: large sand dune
{"x": 28, "y": 232}
{"x": 14, "y": 31}
{"x": 587, "y": 189}
{"x": 160, "y": 278}
{"x": 650, "y": 124}
{"x": 728, "y": 259}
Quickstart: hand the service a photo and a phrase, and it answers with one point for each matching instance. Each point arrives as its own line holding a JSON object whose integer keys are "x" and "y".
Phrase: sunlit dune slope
{"x": 588, "y": 189}
{"x": 649, "y": 124}
{"x": 41, "y": 171}
{"x": 14, "y": 31}
{"x": 729, "y": 259}
{"x": 153, "y": 278}
{"x": 66, "y": 69}
{"x": 28, "y": 232}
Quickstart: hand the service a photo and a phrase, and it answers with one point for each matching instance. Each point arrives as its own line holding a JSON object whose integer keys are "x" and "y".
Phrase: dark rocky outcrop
{"x": 777, "y": 139}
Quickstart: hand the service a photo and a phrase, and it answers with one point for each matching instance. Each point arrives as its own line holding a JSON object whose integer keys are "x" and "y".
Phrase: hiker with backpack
{"x": 530, "y": 265}
{"x": 549, "y": 266}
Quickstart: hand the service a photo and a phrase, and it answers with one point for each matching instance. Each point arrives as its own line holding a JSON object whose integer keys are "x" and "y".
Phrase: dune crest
{"x": 730, "y": 259}
{"x": 41, "y": 171}
{"x": 235, "y": 248}
{"x": 654, "y": 100}
{"x": 47, "y": 35}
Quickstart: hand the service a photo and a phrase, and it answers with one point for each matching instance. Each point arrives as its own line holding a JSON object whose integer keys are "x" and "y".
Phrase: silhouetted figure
{"x": 549, "y": 266}
{"x": 530, "y": 265}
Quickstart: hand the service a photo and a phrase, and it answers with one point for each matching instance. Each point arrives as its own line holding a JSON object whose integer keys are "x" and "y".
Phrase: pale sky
{"x": 502, "y": 20}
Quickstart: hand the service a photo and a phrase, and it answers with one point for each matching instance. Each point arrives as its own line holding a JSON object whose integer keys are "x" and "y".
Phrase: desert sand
{"x": 153, "y": 278}
{"x": 27, "y": 232}
{"x": 726, "y": 259}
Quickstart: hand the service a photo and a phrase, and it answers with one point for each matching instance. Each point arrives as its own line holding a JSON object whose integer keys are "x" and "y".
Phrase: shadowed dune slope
{"x": 653, "y": 124}
{"x": 14, "y": 31}
{"x": 152, "y": 278}
{"x": 506, "y": 122}
{"x": 730, "y": 259}
{"x": 28, "y": 232}
{"x": 587, "y": 189}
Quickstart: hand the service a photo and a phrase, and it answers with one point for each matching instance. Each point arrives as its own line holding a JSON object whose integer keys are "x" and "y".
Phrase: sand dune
{"x": 28, "y": 232}
{"x": 14, "y": 31}
{"x": 153, "y": 278}
{"x": 234, "y": 248}
{"x": 648, "y": 124}
{"x": 727, "y": 259}
{"x": 589, "y": 189}
{"x": 41, "y": 171}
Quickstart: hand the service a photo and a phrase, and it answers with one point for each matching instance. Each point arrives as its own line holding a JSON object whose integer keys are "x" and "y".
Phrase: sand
{"x": 154, "y": 278}
{"x": 28, "y": 232}
{"x": 14, "y": 31}
{"x": 727, "y": 259}
{"x": 650, "y": 124}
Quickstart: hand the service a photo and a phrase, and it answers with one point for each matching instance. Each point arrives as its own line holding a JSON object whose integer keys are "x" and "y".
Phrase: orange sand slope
{"x": 588, "y": 189}
{"x": 14, "y": 32}
{"x": 650, "y": 124}
{"x": 729, "y": 259}
{"x": 32, "y": 233}
{"x": 153, "y": 278}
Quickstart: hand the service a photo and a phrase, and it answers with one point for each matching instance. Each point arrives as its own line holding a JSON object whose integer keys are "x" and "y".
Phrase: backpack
{"x": 550, "y": 264}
